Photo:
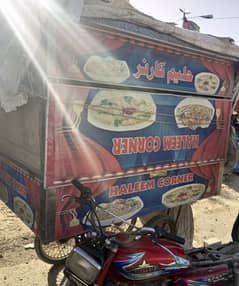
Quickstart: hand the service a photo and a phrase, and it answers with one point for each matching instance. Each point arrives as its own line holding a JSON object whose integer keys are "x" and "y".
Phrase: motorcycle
{"x": 144, "y": 256}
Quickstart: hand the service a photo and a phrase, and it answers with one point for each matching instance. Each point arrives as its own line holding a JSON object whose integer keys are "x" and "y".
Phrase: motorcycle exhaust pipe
{"x": 236, "y": 274}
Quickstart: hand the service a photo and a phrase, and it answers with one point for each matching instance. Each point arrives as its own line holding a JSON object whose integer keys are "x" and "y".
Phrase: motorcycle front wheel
{"x": 56, "y": 276}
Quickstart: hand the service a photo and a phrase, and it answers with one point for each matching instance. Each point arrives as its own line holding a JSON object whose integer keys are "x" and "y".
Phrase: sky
{"x": 168, "y": 11}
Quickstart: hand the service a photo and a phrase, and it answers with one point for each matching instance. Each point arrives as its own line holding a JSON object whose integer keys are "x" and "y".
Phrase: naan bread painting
{"x": 124, "y": 208}
{"x": 119, "y": 110}
{"x": 206, "y": 83}
{"x": 23, "y": 211}
{"x": 183, "y": 195}
{"x": 194, "y": 113}
{"x": 107, "y": 69}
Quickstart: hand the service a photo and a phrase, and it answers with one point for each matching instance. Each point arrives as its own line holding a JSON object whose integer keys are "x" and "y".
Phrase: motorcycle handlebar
{"x": 86, "y": 195}
{"x": 165, "y": 234}
{"x": 85, "y": 191}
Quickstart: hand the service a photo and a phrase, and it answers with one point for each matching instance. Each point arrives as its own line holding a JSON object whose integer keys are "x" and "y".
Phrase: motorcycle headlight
{"x": 84, "y": 266}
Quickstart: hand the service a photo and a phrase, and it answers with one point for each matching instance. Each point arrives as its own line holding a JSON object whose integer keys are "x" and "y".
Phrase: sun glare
{"x": 27, "y": 19}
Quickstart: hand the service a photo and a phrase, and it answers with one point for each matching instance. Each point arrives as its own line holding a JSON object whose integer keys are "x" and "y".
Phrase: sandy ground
{"x": 19, "y": 265}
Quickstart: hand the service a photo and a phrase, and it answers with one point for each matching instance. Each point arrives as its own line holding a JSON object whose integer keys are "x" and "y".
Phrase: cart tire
{"x": 163, "y": 221}
{"x": 56, "y": 275}
{"x": 182, "y": 216}
{"x": 53, "y": 252}
{"x": 57, "y": 251}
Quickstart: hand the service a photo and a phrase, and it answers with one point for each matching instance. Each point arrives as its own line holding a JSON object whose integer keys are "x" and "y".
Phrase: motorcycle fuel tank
{"x": 144, "y": 259}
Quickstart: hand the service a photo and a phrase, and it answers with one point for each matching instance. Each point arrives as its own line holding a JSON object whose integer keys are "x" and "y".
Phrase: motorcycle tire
{"x": 55, "y": 275}
{"x": 53, "y": 252}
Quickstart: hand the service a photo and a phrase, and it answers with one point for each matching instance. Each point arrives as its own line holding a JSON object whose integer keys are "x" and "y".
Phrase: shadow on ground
{"x": 232, "y": 181}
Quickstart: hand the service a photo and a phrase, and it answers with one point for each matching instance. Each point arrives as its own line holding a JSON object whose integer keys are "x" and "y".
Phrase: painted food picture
{"x": 206, "y": 83}
{"x": 194, "y": 113}
{"x": 23, "y": 211}
{"x": 183, "y": 195}
{"x": 107, "y": 69}
{"x": 118, "y": 110}
{"x": 124, "y": 208}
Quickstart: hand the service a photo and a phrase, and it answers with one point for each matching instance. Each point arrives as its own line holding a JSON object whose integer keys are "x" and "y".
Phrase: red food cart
{"x": 138, "y": 109}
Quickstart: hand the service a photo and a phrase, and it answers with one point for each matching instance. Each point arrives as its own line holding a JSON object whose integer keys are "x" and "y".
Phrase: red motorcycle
{"x": 146, "y": 256}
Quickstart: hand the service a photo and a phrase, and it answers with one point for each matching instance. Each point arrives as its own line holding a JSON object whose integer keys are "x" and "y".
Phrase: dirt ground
{"x": 19, "y": 265}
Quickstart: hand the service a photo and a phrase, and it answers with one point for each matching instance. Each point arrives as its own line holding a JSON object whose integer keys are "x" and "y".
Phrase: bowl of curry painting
{"x": 183, "y": 195}
{"x": 193, "y": 113}
{"x": 206, "y": 83}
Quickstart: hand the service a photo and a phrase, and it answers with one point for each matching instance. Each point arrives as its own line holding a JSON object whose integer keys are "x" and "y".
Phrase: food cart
{"x": 138, "y": 109}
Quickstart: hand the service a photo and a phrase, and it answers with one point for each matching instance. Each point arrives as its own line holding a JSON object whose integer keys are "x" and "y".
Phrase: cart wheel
{"x": 57, "y": 251}
{"x": 163, "y": 221}
{"x": 55, "y": 275}
{"x": 182, "y": 218}
{"x": 53, "y": 252}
